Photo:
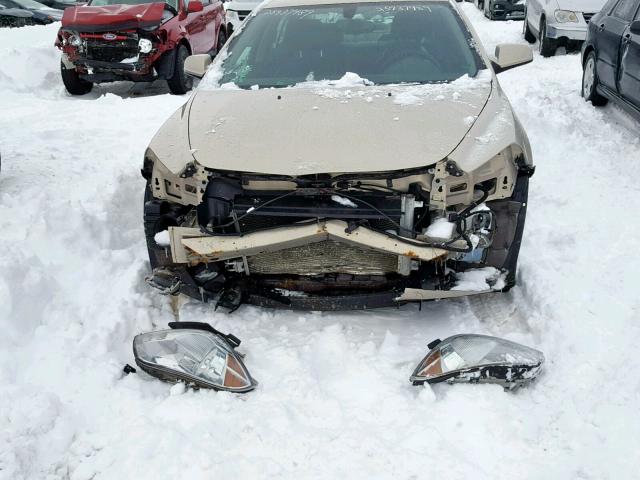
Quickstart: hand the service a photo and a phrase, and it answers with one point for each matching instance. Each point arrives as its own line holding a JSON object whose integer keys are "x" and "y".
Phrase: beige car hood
{"x": 318, "y": 128}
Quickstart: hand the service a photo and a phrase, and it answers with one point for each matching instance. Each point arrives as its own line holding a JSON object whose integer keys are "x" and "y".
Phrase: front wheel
{"x": 72, "y": 81}
{"x": 180, "y": 83}
{"x": 590, "y": 82}
{"x": 547, "y": 45}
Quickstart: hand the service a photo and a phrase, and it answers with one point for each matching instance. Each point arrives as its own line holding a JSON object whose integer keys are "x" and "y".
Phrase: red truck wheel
{"x": 72, "y": 81}
{"x": 180, "y": 83}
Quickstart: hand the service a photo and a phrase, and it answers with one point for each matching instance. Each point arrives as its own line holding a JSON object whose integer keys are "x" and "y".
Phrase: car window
{"x": 417, "y": 42}
{"x": 625, "y": 9}
{"x": 608, "y": 7}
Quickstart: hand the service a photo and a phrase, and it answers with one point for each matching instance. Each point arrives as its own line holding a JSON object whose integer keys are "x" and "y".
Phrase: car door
{"x": 610, "y": 31}
{"x": 629, "y": 72}
{"x": 212, "y": 20}
{"x": 194, "y": 25}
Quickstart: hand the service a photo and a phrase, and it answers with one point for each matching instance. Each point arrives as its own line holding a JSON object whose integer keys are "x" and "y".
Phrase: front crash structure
{"x": 338, "y": 242}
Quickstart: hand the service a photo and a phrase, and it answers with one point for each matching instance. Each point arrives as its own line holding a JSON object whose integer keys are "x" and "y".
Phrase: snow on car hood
{"x": 589, "y": 6}
{"x": 324, "y": 127}
{"x": 88, "y": 18}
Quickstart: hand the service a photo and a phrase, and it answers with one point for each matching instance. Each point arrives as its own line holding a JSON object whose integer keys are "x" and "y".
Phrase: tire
{"x": 72, "y": 81}
{"x": 526, "y": 30}
{"x": 547, "y": 46}
{"x": 590, "y": 82}
{"x": 222, "y": 39}
{"x": 480, "y": 4}
{"x": 180, "y": 83}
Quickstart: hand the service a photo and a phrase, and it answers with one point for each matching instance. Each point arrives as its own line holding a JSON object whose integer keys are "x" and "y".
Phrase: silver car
{"x": 558, "y": 23}
{"x": 341, "y": 155}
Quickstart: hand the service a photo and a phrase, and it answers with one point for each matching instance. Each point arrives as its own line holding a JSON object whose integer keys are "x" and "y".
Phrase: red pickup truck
{"x": 107, "y": 40}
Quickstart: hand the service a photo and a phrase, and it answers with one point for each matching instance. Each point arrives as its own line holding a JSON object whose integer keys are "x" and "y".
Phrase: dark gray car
{"x": 611, "y": 56}
{"x": 41, "y": 13}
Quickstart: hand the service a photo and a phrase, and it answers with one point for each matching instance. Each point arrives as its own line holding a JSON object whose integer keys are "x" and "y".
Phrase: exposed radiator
{"x": 324, "y": 257}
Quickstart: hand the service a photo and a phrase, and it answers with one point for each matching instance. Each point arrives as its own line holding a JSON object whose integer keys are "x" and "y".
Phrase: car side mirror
{"x": 194, "y": 6}
{"x": 196, "y": 65}
{"x": 635, "y": 27}
{"x": 510, "y": 55}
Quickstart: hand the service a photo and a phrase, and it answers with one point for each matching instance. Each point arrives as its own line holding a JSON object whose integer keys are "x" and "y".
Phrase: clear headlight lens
{"x": 145, "y": 45}
{"x": 566, "y": 16}
{"x": 74, "y": 40}
{"x": 194, "y": 356}
{"x": 479, "y": 359}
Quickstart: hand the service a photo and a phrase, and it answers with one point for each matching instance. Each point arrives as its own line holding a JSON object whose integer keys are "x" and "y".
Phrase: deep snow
{"x": 334, "y": 399}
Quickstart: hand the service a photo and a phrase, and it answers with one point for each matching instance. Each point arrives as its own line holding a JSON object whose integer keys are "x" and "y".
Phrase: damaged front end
{"x": 335, "y": 241}
{"x": 135, "y": 48}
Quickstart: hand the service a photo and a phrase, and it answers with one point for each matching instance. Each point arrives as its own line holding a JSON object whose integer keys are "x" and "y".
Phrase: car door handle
{"x": 601, "y": 27}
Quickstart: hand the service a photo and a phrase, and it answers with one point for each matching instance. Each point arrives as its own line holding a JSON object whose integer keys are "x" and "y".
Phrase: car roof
{"x": 308, "y": 3}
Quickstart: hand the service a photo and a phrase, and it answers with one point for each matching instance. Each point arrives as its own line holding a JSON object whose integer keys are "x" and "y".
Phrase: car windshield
{"x": 385, "y": 43}
{"x": 99, "y": 3}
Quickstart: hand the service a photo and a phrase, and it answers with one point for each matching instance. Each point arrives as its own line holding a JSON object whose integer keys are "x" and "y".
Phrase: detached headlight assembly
{"x": 194, "y": 353}
{"x": 566, "y": 16}
{"x": 479, "y": 359}
{"x": 145, "y": 45}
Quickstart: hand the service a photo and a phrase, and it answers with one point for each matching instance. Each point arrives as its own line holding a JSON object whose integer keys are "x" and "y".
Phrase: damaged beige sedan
{"x": 341, "y": 156}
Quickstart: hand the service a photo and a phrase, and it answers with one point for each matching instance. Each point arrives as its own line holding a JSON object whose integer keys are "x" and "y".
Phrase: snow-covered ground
{"x": 334, "y": 399}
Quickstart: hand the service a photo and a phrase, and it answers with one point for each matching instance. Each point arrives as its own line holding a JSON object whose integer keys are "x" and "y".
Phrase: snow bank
{"x": 30, "y": 64}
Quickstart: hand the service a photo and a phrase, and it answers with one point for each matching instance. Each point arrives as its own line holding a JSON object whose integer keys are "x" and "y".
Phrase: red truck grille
{"x": 111, "y": 47}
